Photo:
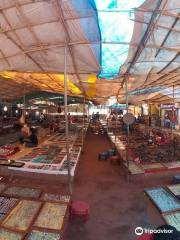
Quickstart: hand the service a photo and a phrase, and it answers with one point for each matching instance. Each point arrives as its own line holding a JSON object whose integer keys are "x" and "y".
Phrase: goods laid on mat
{"x": 6, "y": 204}
{"x": 145, "y": 156}
{"x": 8, "y": 150}
{"x": 38, "y": 219}
{"x": 172, "y": 165}
{"x": 173, "y": 219}
{"x": 21, "y": 216}
{"x": 51, "y": 216}
{"x": 11, "y": 163}
{"x": 8, "y": 235}
{"x": 155, "y": 153}
{"x": 133, "y": 168}
{"x": 56, "y": 138}
{"x": 174, "y": 189}
{"x": 153, "y": 166}
{"x": 98, "y": 127}
{"x": 61, "y": 168}
{"x": 22, "y": 192}
{"x": 37, "y": 235}
{"x": 75, "y": 138}
{"x": 51, "y": 158}
{"x": 163, "y": 199}
{"x": 55, "y": 197}
{"x": 43, "y": 154}
{"x": 74, "y": 156}
{"x": 166, "y": 199}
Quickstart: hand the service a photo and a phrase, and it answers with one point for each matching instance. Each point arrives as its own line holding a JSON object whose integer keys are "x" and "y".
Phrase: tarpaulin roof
{"x": 107, "y": 42}
{"x": 116, "y": 28}
{"x": 168, "y": 95}
{"x": 44, "y": 98}
{"x": 155, "y": 60}
{"x": 32, "y": 40}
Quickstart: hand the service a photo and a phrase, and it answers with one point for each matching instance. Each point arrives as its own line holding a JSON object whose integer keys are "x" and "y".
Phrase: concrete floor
{"x": 116, "y": 206}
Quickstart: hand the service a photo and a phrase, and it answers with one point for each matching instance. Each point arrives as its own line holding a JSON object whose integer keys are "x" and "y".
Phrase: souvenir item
{"x": 37, "y": 235}
{"x": 173, "y": 219}
{"x": 175, "y": 189}
{"x": 8, "y": 235}
{"x": 55, "y": 197}
{"x": 22, "y": 192}
{"x": 164, "y": 200}
{"x": 20, "y": 218}
{"x": 6, "y": 204}
{"x": 51, "y": 216}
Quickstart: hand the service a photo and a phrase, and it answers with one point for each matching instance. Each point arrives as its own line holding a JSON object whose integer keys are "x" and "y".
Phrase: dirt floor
{"x": 117, "y": 206}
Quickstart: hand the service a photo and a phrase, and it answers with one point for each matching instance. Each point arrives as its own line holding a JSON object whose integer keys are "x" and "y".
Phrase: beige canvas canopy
{"x": 155, "y": 61}
{"x": 34, "y": 34}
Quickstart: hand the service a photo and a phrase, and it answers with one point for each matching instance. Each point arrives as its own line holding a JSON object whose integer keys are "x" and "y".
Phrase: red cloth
{"x": 145, "y": 237}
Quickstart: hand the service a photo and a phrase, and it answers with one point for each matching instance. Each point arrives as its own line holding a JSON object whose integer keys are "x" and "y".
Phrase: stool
{"x": 103, "y": 156}
{"x": 114, "y": 160}
{"x": 80, "y": 209}
{"x": 176, "y": 179}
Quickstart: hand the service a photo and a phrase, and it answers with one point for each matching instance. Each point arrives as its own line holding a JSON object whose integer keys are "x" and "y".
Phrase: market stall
{"x": 59, "y": 53}
{"x": 31, "y": 212}
{"x": 148, "y": 153}
{"x": 166, "y": 200}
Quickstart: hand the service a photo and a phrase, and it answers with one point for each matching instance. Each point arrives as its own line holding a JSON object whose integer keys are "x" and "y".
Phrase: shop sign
{"x": 168, "y": 106}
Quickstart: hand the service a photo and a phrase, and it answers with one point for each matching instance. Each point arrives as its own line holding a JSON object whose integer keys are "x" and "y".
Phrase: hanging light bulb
{"x": 5, "y": 109}
{"x": 16, "y": 111}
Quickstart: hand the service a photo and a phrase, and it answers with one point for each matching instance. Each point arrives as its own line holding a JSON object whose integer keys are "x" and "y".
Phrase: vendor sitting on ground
{"x": 33, "y": 140}
{"x": 25, "y": 133}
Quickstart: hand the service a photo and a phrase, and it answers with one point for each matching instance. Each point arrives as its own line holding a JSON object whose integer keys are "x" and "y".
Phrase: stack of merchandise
{"x": 8, "y": 150}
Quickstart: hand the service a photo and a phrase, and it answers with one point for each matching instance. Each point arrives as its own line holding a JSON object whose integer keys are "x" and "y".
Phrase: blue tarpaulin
{"x": 112, "y": 26}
